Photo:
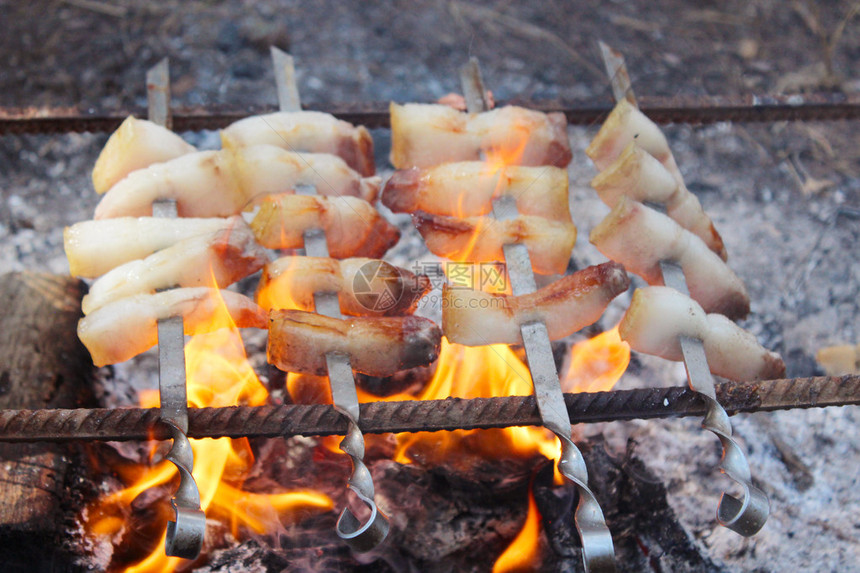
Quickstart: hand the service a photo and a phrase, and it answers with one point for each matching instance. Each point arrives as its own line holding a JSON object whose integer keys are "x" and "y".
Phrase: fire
{"x": 496, "y": 161}
{"x": 596, "y": 364}
{"x": 278, "y": 292}
{"x": 476, "y": 372}
{"x": 521, "y": 554}
{"x": 218, "y": 374}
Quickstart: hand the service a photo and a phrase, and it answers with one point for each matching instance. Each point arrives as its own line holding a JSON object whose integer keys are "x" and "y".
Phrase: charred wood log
{"x": 42, "y": 365}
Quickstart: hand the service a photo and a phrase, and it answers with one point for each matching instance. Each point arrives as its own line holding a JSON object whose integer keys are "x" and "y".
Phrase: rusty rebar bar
{"x": 124, "y": 424}
{"x": 691, "y": 110}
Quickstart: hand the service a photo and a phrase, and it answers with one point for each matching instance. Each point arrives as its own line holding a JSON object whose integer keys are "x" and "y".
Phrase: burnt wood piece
{"x": 647, "y": 533}
{"x": 42, "y": 365}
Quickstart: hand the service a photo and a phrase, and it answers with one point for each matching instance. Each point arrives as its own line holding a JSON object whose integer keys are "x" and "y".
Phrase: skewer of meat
{"x": 571, "y": 303}
{"x": 467, "y": 189}
{"x": 319, "y": 338}
{"x": 224, "y": 183}
{"x": 120, "y": 330}
{"x": 379, "y": 346}
{"x": 659, "y": 316}
{"x": 481, "y": 239}
{"x": 222, "y": 258}
{"x": 745, "y": 514}
{"x": 365, "y": 287}
{"x": 425, "y": 135}
{"x": 305, "y": 131}
{"x": 640, "y": 238}
{"x": 353, "y": 228}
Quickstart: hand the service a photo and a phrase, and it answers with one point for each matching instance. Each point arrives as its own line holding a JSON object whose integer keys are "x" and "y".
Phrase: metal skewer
{"x": 184, "y": 534}
{"x": 748, "y": 514}
{"x": 598, "y": 552}
{"x": 360, "y": 536}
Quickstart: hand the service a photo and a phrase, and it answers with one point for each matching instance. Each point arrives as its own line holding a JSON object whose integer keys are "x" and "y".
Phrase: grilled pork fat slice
{"x": 305, "y": 131}
{"x": 365, "y": 287}
{"x": 425, "y": 135}
{"x": 353, "y": 227}
{"x": 224, "y": 256}
{"x": 267, "y": 169}
{"x": 624, "y": 125}
{"x": 640, "y": 237}
{"x": 476, "y": 318}
{"x": 467, "y": 189}
{"x": 378, "y": 346}
{"x": 658, "y": 316}
{"x": 136, "y": 144}
{"x": 203, "y": 184}
{"x": 95, "y": 247}
{"x": 223, "y": 183}
{"x": 122, "y": 329}
{"x": 639, "y": 176}
{"x": 480, "y": 239}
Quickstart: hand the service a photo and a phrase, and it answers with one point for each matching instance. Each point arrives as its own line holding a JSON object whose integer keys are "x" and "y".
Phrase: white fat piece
{"x": 640, "y": 237}
{"x": 95, "y": 247}
{"x": 658, "y": 316}
{"x": 120, "y": 330}
{"x": 136, "y": 144}
{"x": 224, "y": 257}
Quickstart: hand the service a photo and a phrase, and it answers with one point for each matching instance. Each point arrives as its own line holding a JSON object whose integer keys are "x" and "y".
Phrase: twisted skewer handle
{"x": 360, "y": 536}
{"x": 185, "y": 533}
{"x": 748, "y": 514}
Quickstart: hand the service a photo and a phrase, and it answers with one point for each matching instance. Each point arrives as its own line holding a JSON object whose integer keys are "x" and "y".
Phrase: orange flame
{"x": 496, "y": 161}
{"x": 522, "y": 553}
{"x": 218, "y": 374}
{"x": 474, "y": 372}
{"x": 281, "y": 291}
{"x": 596, "y": 364}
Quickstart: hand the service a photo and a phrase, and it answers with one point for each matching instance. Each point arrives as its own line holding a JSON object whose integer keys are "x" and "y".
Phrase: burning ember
{"x": 218, "y": 375}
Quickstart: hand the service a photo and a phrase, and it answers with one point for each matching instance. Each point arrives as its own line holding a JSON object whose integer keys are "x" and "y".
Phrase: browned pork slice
{"x": 122, "y": 329}
{"x": 467, "y": 189}
{"x": 95, "y": 247}
{"x": 305, "y": 131}
{"x": 353, "y": 227}
{"x": 639, "y": 176}
{"x": 136, "y": 144}
{"x": 640, "y": 237}
{"x": 365, "y": 287}
{"x": 222, "y": 257}
{"x": 658, "y": 316}
{"x": 425, "y": 135}
{"x": 378, "y": 346}
{"x": 223, "y": 183}
{"x": 480, "y": 239}
{"x": 476, "y": 318}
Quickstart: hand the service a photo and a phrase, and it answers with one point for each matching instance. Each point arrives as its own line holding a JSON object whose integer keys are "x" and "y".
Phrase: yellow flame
{"x": 596, "y": 364}
{"x": 281, "y": 292}
{"x": 496, "y": 161}
{"x": 218, "y": 374}
{"x": 476, "y": 372}
{"x": 522, "y": 553}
